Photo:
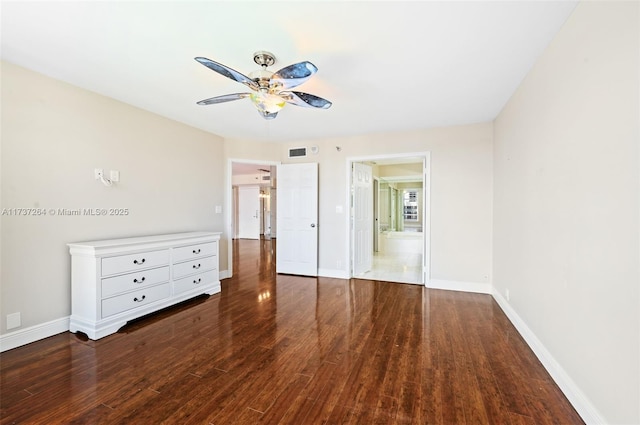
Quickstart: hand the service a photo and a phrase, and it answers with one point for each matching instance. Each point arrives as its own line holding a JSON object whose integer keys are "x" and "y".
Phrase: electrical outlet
{"x": 97, "y": 173}
{"x": 13, "y": 320}
{"x": 114, "y": 176}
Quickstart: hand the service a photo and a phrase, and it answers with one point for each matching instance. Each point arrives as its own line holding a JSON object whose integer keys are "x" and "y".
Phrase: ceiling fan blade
{"x": 228, "y": 72}
{"x": 294, "y": 75}
{"x": 223, "y": 98}
{"x": 305, "y": 99}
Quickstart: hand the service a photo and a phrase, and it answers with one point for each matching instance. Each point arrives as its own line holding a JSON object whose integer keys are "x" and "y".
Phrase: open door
{"x": 362, "y": 180}
{"x": 297, "y": 219}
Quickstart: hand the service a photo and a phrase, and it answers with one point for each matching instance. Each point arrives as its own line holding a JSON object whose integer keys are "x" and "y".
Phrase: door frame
{"x": 376, "y": 213}
{"x": 228, "y": 204}
{"x": 426, "y": 210}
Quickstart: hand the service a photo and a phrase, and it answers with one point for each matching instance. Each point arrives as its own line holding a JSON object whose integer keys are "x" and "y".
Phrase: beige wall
{"x": 566, "y": 209}
{"x": 53, "y": 135}
{"x": 461, "y": 180}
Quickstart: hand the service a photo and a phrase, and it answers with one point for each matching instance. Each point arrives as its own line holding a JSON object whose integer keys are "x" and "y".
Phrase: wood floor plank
{"x": 190, "y": 410}
{"x": 282, "y": 402}
{"x": 281, "y": 349}
{"x": 386, "y": 411}
{"x": 329, "y": 387}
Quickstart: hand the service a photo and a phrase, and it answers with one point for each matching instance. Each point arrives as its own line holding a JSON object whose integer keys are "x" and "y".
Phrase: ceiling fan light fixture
{"x": 266, "y": 103}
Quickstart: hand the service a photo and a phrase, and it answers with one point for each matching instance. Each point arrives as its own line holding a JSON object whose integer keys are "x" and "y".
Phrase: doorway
{"x": 399, "y": 218}
{"x": 249, "y": 215}
{"x": 257, "y": 177}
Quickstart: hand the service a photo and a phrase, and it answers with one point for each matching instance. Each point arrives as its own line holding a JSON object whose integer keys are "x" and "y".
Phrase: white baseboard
{"x": 576, "y": 397}
{"x": 334, "y": 273}
{"x": 454, "y": 285}
{"x": 34, "y": 333}
{"x": 224, "y": 274}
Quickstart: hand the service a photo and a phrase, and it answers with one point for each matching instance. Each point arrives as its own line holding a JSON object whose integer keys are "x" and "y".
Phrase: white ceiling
{"x": 386, "y": 66}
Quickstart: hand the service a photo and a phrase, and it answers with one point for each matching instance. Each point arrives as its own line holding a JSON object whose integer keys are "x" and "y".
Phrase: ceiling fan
{"x": 269, "y": 90}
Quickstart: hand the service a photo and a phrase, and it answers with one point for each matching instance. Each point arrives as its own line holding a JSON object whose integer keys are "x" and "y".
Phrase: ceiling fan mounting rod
{"x": 264, "y": 59}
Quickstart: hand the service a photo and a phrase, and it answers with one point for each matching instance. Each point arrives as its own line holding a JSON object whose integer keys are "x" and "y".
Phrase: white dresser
{"x": 117, "y": 280}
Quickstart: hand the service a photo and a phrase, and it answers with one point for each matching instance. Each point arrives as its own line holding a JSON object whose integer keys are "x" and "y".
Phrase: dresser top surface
{"x": 142, "y": 240}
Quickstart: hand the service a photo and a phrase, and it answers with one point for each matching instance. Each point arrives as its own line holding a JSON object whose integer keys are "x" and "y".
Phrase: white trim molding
{"x": 34, "y": 333}
{"x": 571, "y": 390}
{"x": 454, "y": 285}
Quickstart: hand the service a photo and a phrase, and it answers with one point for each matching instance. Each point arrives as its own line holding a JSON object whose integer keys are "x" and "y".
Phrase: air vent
{"x": 297, "y": 152}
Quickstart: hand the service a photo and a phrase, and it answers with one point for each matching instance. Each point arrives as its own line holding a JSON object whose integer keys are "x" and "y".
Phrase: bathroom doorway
{"x": 399, "y": 218}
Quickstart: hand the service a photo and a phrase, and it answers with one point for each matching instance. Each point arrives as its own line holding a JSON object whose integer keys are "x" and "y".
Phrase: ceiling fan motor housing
{"x": 262, "y": 76}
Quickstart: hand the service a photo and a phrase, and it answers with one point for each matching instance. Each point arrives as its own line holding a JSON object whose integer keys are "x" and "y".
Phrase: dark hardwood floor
{"x": 279, "y": 349}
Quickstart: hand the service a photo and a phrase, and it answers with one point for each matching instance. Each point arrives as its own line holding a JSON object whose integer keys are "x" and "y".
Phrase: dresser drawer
{"x": 195, "y": 266}
{"x": 124, "y": 302}
{"x": 129, "y": 282}
{"x": 132, "y": 262}
{"x": 192, "y": 282}
{"x": 185, "y": 253}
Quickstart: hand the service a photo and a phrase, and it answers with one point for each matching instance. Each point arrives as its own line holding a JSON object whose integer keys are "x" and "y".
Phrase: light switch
{"x": 114, "y": 176}
{"x": 218, "y": 209}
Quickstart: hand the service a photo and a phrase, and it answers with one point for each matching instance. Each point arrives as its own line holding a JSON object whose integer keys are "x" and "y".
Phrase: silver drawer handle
{"x": 139, "y": 281}
{"x": 196, "y": 251}
{"x": 139, "y": 262}
{"x": 197, "y": 281}
{"x": 196, "y": 267}
{"x": 140, "y": 300}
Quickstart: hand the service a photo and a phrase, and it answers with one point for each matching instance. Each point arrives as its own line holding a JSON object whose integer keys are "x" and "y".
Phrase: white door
{"x": 362, "y": 181}
{"x": 297, "y": 219}
{"x": 249, "y": 212}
